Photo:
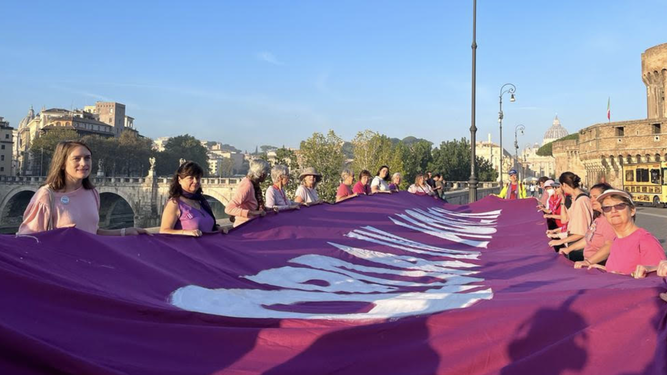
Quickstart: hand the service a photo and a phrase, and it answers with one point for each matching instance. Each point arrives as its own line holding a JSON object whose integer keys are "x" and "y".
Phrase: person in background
{"x": 395, "y": 182}
{"x": 380, "y": 182}
{"x": 634, "y": 251}
{"x": 428, "y": 179}
{"x": 420, "y": 187}
{"x": 68, "y": 198}
{"x": 513, "y": 189}
{"x": 579, "y": 215}
{"x": 306, "y": 193}
{"x": 187, "y": 212}
{"x": 362, "y": 187}
{"x": 439, "y": 186}
{"x": 594, "y": 247}
{"x": 345, "y": 188}
{"x": 276, "y": 199}
{"x": 248, "y": 201}
{"x": 552, "y": 211}
{"x": 542, "y": 196}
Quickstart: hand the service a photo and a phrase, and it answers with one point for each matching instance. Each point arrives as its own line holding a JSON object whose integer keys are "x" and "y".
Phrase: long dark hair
{"x": 570, "y": 179}
{"x": 189, "y": 168}
{"x": 388, "y": 176}
{"x": 55, "y": 179}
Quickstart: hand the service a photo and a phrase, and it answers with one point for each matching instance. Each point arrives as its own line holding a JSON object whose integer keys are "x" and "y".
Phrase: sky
{"x": 252, "y": 73}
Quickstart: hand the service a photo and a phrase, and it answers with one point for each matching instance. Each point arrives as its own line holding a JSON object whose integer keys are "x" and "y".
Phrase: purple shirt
{"x": 192, "y": 218}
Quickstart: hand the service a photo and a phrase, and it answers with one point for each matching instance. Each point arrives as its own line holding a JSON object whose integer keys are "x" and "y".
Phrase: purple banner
{"x": 387, "y": 284}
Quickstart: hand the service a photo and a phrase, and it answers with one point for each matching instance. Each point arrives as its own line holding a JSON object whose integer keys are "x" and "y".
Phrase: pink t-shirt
{"x": 639, "y": 248}
{"x": 243, "y": 202}
{"x": 581, "y": 215}
{"x": 79, "y": 208}
{"x": 360, "y": 188}
{"x": 343, "y": 191}
{"x": 598, "y": 233}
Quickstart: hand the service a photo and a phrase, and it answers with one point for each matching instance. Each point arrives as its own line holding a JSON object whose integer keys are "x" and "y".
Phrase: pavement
{"x": 655, "y": 221}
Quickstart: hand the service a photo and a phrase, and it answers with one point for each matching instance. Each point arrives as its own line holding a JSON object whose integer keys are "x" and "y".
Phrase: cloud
{"x": 82, "y": 93}
{"x": 269, "y": 58}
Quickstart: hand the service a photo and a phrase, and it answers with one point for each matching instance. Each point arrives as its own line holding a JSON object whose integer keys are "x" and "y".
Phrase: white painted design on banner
{"x": 396, "y": 285}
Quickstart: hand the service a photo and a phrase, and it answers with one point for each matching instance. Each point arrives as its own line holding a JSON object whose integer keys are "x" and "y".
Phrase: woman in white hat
{"x": 306, "y": 193}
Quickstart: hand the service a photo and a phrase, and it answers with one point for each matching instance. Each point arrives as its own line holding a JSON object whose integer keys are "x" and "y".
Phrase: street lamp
{"x": 510, "y": 90}
{"x": 518, "y": 128}
{"x": 472, "y": 192}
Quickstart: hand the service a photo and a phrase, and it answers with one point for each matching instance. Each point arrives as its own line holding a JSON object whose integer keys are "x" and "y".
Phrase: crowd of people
{"x": 594, "y": 229}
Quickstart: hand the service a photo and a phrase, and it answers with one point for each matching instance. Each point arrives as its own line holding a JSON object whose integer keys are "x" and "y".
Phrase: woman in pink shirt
{"x": 248, "y": 201}
{"x": 68, "y": 199}
{"x": 187, "y": 212}
{"x": 362, "y": 187}
{"x": 345, "y": 188}
{"x": 634, "y": 246}
{"x": 579, "y": 215}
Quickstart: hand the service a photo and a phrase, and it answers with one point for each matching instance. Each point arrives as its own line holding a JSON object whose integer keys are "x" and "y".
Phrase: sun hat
{"x": 611, "y": 192}
{"x": 310, "y": 171}
{"x": 512, "y": 171}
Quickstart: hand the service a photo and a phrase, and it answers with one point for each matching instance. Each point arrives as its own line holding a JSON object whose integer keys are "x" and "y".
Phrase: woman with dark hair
{"x": 579, "y": 215}
{"x": 362, "y": 187}
{"x": 68, "y": 199}
{"x": 187, "y": 212}
{"x": 635, "y": 249}
{"x": 248, "y": 201}
{"x": 594, "y": 247}
{"x": 380, "y": 183}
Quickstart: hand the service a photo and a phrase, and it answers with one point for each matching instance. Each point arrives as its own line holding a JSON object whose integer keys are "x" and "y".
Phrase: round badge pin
{"x": 64, "y": 200}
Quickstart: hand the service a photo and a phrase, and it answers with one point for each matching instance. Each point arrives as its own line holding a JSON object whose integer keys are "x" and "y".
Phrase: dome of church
{"x": 556, "y": 131}
{"x": 27, "y": 118}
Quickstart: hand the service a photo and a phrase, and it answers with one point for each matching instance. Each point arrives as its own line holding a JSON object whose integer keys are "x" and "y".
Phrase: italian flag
{"x": 609, "y": 109}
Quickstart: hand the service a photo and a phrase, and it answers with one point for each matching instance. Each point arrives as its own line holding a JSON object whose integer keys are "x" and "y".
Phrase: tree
{"x": 43, "y": 147}
{"x": 325, "y": 154}
{"x": 181, "y": 147}
{"x": 417, "y": 158}
{"x": 373, "y": 150}
{"x": 452, "y": 160}
{"x": 136, "y": 151}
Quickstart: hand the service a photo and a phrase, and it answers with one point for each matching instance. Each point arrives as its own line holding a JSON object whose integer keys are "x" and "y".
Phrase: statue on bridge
{"x": 181, "y": 161}
{"x": 100, "y": 168}
{"x": 151, "y": 171}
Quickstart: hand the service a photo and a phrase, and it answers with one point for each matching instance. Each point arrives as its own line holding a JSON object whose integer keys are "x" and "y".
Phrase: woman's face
{"x": 396, "y": 180}
{"x": 420, "y": 181}
{"x": 77, "y": 165}
{"x": 595, "y": 193}
{"x": 309, "y": 180}
{"x": 190, "y": 184}
{"x": 348, "y": 180}
{"x": 619, "y": 213}
{"x": 383, "y": 173}
{"x": 364, "y": 180}
{"x": 284, "y": 180}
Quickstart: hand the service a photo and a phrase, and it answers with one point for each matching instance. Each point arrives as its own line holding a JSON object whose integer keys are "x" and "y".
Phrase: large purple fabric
{"x": 386, "y": 284}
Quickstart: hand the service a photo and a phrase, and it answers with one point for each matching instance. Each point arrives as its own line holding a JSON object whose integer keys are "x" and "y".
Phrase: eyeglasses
{"x": 618, "y": 207}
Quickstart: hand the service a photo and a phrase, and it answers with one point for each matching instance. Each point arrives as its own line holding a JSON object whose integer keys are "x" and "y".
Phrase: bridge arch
{"x": 115, "y": 211}
{"x": 217, "y": 206}
{"x": 13, "y": 206}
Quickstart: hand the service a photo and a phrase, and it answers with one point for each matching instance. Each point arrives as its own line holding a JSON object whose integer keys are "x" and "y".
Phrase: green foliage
{"x": 43, "y": 147}
{"x": 547, "y": 150}
{"x": 416, "y": 159}
{"x": 124, "y": 156}
{"x": 373, "y": 150}
{"x": 325, "y": 154}
{"x": 452, "y": 160}
{"x": 287, "y": 158}
{"x": 181, "y": 147}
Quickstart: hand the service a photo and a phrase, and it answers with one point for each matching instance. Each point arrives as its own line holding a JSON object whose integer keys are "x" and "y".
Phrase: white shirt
{"x": 307, "y": 194}
{"x": 380, "y": 183}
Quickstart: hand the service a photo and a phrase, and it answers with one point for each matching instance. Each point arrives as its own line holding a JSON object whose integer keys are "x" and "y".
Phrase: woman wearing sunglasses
{"x": 633, "y": 246}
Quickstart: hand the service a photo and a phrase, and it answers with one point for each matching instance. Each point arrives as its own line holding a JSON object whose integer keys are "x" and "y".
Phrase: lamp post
{"x": 510, "y": 90}
{"x": 472, "y": 193}
{"x": 518, "y": 128}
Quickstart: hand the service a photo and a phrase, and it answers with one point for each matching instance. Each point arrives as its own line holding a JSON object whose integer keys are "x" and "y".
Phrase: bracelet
{"x": 122, "y": 232}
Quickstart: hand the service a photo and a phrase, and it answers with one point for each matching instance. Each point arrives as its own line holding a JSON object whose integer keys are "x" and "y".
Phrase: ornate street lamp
{"x": 510, "y": 90}
{"x": 518, "y": 128}
{"x": 472, "y": 193}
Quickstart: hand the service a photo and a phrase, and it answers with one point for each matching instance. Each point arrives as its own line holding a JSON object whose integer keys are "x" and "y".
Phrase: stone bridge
{"x": 124, "y": 201}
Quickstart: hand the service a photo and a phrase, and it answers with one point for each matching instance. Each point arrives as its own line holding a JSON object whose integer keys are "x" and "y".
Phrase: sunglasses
{"x": 617, "y": 207}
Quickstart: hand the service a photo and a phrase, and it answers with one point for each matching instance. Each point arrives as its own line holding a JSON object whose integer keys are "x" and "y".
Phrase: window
{"x": 656, "y": 129}
{"x": 630, "y": 176}
{"x": 3, "y": 147}
{"x": 642, "y": 175}
{"x": 664, "y": 172}
{"x": 6, "y": 136}
{"x": 655, "y": 176}
{"x": 2, "y": 169}
{"x": 620, "y": 131}
{"x": 2, "y": 157}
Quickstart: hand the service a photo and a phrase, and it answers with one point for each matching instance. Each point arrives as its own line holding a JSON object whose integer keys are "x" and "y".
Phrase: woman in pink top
{"x": 68, "y": 199}
{"x": 594, "y": 247}
{"x": 579, "y": 215}
{"x": 248, "y": 202}
{"x": 187, "y": 212}
{"x": 634, "y": 247}
{"x": 345, "y": 188}
{"x": 362, "y": 187}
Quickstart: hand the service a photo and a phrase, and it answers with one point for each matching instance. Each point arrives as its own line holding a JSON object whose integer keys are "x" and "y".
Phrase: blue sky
{"x": 273, "y": 72}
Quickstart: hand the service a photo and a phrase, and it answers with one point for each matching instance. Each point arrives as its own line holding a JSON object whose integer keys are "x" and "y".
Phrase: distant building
{"x": 104, "y": 119}
{"x": 533, "y": 165}
{"x": 223, "y": 162}
{"x": 491, "y": 152}
{"x": 6, "y": 143}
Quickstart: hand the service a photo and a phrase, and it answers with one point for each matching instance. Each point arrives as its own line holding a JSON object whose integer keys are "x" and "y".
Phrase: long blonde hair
{"x": 56, "y": 177}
